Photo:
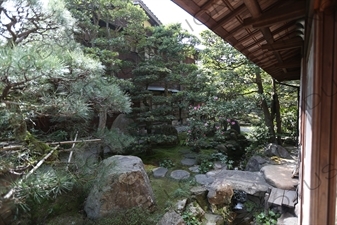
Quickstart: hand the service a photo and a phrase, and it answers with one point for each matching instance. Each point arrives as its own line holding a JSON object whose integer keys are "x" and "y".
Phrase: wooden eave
{"x": 268, "y": 32}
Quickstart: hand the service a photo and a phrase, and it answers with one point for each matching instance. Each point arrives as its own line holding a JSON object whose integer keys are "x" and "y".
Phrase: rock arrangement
{"x": 222, "y": 189}
{"x": 121, "y": 184}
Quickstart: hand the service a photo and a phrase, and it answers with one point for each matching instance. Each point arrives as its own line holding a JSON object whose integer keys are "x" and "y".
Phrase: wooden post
{"x": 319, "y": 163}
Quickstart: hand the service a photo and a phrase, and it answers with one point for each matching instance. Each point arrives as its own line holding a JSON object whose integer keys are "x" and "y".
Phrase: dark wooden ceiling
{"x": 268, "y": 32}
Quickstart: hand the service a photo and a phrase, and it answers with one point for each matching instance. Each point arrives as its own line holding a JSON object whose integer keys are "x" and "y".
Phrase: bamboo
{"x": 10, "y": 193}
{"x": 71, "y": 153}
{"x": 72, "y": 142}
{"x": 18, "y": 147}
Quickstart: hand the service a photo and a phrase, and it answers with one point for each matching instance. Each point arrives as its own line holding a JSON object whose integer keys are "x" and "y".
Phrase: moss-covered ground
{"x": 68, "y": 207}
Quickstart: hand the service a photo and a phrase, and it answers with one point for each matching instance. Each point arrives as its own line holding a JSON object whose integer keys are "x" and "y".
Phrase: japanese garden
{"x": 108, "y": 116}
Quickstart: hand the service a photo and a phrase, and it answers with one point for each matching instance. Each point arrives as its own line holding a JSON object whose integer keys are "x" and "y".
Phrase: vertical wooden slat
{"x": 315, "y": 177}
{"x": 326, "y": 111}
{"x": 323, "y": 177}
{"x": 333, "y": 135}
{"x": 302, "y": 131}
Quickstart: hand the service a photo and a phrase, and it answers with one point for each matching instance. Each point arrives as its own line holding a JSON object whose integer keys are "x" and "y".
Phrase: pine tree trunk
{"x": 101, "y": 126}
{"x": 102, "y": 119}
{"x": 275, "y": 111}
{"x": 267, "y": 115}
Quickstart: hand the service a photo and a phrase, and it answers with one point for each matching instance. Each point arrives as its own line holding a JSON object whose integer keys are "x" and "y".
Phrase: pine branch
{"x": 11, "y": 192}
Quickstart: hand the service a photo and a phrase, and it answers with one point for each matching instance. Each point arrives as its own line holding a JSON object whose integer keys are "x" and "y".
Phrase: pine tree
{"x": 163, "y": 66}
{"x": 44, "y": 72}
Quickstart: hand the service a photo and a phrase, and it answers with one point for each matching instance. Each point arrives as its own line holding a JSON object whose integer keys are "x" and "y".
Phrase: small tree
{"x": 48, "y": 78}
{"x": 163, "y": 66}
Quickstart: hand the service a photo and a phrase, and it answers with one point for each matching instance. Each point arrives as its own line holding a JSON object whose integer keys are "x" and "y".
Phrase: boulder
{"x": 199, "y": 193}
{"x": 277, "y": 150}
{"x": 171, "y": 218}
{"x": 122, "y": 123}
{"x": 255, "y": 163}
{"x": 220, "y": 192}
{"x": 121, "y": 184}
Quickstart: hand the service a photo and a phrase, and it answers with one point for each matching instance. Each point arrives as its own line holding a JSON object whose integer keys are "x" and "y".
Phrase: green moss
{"x": 39, "y": 147}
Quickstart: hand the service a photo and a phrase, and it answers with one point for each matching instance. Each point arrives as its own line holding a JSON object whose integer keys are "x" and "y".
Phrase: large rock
{"x": 121, "y": 184}
{"x": 277, "y": 150}
{"x": 220, "y": 192}
{"x": 171, "y": 218}
{"x": 252, "y": 183}
{"x": 122, "y": 123}
{"x": 199, "y": 193}
{"x": 280, "y": 176}
{"x": 255, "y": 163}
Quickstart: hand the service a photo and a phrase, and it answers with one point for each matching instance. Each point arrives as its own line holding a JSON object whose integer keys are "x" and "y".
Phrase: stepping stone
{"x": 280, "y": 176}
{"x": 190, "y": 156}
{"x": 159, "y": 172}
{"x": 188, "y": 162}
{"x": 204, "y": 179}
{"x": 252, "y": 183}
{"x": 194, "y": 169}
{"x": 180, "y": 174}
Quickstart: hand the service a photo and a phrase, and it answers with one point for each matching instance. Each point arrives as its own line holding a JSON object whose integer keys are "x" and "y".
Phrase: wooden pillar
{"x": 319, "y": 163}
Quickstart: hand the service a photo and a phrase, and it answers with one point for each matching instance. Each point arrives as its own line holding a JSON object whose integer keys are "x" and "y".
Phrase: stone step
{"x": 282, "y": 197}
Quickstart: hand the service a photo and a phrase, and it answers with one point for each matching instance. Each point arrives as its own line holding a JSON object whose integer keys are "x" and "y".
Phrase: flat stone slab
{"x": 180, "y": 174}
{"x": 188, "y": 162}
{"x": 159, "y": 172}
{"x": 280, "y": 176}
{"x": 251, "y": 182}
{"x": 204, "y": 179}
{"x": 194, "y": 169}
{"x": 283, "y": 197}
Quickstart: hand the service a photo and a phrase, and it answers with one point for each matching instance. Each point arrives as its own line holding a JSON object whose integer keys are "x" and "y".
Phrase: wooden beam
{"x": 292, "y": 64}
{"x": 254, "y": 8}
{"x": 204, "y": 8}
{"x": 283, "y": 45}
{"x": 229, "y": 16}
{"x": 288, "y": 12}
{"x": 248, "y": 36}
